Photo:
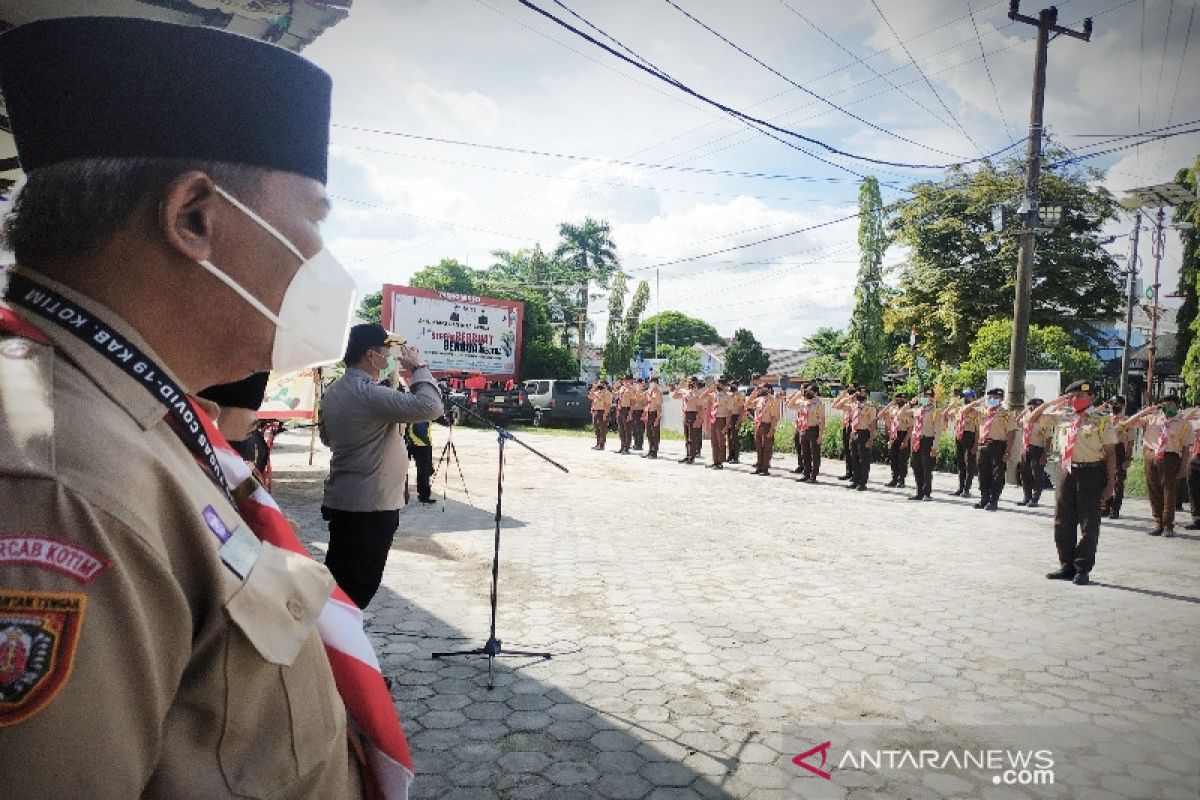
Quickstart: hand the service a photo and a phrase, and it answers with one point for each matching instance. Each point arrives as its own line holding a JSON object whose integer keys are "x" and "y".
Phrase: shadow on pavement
{"x": 1152, "y": 592}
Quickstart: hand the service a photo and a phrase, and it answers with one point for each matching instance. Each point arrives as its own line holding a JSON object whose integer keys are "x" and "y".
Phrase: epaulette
{"x": 26, "y": 404}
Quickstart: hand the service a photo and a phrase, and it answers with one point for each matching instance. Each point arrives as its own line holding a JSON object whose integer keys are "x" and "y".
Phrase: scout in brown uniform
{"x": 926, "y": 426}
{"x": 653, "y": 417}
{"x": 638, "y": 410}
{"x": 720, "y": 422}
{"x": 897, "y": 420}
{"x": 1165, "y": 438}
{"x": 694, "y": 400}
{"x": 1087, "y": 472}
{"x": 1035, "y": 439}
{"x": 764, "y": 408}
{"x": 150, "y": 644}
{"x": 997, "y": 432}
{"x": 860, "y": 418}
{"x": 1116, "y": 409}
{"x": 625, "y": 392}
{"x": 737, "y": 410}
{"x": 840, "y": 403}
{"x": 965, "y": 419}
{"x": 810, "y": 417}
{"x": 601, "y": 399}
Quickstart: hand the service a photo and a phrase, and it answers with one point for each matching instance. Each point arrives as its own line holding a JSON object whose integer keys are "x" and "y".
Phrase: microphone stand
{"x": 493, "y": 648}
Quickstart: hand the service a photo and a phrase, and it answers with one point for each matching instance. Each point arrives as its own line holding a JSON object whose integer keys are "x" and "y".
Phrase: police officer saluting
{"x": 1088, "y": 470}
{"x": 157, "y": 613}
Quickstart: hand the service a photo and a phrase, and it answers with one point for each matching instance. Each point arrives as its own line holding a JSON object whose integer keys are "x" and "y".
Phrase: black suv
{"x": 559, "y": 401}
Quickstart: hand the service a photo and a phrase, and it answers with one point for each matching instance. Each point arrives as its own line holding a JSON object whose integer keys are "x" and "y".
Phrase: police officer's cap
{"x": 246, "y": 393}
{"x": 115, "y": 87}
{"x": 1084, "y": 386}
{"x": 366, "y": 336}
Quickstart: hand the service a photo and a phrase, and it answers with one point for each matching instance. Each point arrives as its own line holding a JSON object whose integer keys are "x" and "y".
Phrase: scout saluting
{"x": 1166, "y": 436}
{"x": 997, "y": 431}
{"x": 926, "y": 425}
{"x": 601, "y": 399}
{"x": 1035, "y": 439}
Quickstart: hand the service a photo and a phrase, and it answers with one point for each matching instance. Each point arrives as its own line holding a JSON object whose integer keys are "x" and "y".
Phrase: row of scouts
{"x": 1096, "y": 445}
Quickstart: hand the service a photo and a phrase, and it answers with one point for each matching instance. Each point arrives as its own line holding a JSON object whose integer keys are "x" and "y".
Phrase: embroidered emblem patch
{"x": 45, "y": 551}
{"x": 39, "y": 634}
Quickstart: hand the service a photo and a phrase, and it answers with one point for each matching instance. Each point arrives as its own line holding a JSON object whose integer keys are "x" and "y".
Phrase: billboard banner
{"x": 457, "y": 332}
{"x": 290, "y": 396}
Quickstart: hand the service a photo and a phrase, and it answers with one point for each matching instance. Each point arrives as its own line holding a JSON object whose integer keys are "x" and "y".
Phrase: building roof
{"x": 780, "y": 362}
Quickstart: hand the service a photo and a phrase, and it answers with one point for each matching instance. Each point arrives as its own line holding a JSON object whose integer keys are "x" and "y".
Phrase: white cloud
{"x": 469, "y": 112}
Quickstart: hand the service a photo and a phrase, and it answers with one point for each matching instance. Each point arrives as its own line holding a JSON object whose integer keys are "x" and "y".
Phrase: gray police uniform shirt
{"x": 369, "y": 462}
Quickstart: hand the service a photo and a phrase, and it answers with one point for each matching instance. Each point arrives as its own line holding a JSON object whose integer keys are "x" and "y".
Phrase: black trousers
{"x": 922, "y": 464}
{"x": 1078, "y": 506}
{"x": 1193, "y": 479}
{"x": 733, "y": 432}
{"x": 991, "y": 470}
{"x": 810, "y": 452}
{"x": 358, "y": 548}
{"x": 1118, "y": 495}
{"x": 898, "y": 450}
{"x": 653, "y": 431}
{"x": 1032, "y": 473}
{"x": 860, "y": 457}
{"x": 846, "y": 450}
{"x": 964, "y": 459}
{"x": 639, "y": 429}
{"x": 423, "y": 458}
{"x": 691, "y": 434}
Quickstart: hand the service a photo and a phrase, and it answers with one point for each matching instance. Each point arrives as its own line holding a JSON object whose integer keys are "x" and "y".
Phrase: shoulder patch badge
{"x": 39, "y": 634}
{"x": 57, "y": 554}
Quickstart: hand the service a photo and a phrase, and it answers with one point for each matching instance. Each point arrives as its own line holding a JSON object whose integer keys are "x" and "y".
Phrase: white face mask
{"x": 313, "y": 321}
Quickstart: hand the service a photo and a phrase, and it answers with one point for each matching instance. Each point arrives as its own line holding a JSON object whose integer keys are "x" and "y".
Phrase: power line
{"x": 1138, "y": 144}
{"x": 1178, "y": 76}
{"x": 988, "y": 69}
{"x": 925, "y": 77}
{"x": 741, "y": 114}
{"x": 801, "y": 87}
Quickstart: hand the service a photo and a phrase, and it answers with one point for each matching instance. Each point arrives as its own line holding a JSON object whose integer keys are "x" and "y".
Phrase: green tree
{"x": 823, "y": 367}
{"x": 542, "y": 359}
{"x": 448, "y": 275}
{"x": 675, "y": 328}
{"x": 868, "y": 349}
{"x": 533, "y": 270}
{"x": 370, "y": 307}
{"x": 622, "y": 323}
{"x": 1187, "y": 322}
{"x": 960, "y": 273}
{"x": 827, "y": 342}
{"x": 744, "y": 357}
{"x": 588, "y": 249}
{"x": 681, "y": 360}
{"x": 1050, "y": 347}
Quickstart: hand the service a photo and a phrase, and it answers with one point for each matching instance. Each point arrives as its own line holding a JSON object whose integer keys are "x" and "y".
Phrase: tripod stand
{"x": 449, "y": 452}
{"x": 492, "y": 648}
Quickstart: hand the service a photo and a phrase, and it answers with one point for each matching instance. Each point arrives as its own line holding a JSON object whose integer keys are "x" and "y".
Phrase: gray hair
{"x": 72, "y": 208}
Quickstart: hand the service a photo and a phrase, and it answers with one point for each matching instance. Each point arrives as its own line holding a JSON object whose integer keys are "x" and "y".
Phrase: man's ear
{"x": 186, "y": 215}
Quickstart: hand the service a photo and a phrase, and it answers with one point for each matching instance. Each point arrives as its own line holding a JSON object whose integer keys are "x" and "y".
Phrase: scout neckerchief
{"x": 856, "y": 416}
{"x": 894, "y": 424}
{"x": 1068, "y": 458}
{"x": 918, "y": 429}
{"x": 802, "y": 418}
{"x": 1160, "y": 447}
{"x": 960, "y": 424}
{"x": 1026, "y": 437}
{"x": 760, "y": 410}
{"x": 373, "y": 723}
{"x": 985, "y": 430}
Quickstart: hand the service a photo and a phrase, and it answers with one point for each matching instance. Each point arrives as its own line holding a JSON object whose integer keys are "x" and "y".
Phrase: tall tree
{"x": 588, "y": 248}
{"x": 827, "y": 342}
{"x": 674, "y": 328}
{"x": 448, "y": 275}
{"x": 1188, "y": 322}
{"x": 370, "y": 307}
{"x": 960, "y": 272}
{"x": 868, "y": 348}
{"x": 681, "y": 360}
{"x": 744, "y": 357}
{"x": 1050, "y": 347}
{"x": 623, "y": 323}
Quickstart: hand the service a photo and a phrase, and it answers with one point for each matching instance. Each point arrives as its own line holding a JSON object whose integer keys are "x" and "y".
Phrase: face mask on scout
{"x": 312, "y": 322}
{"x": 993, "y": 402}
{"x": 1170, "y": 411}
{"x": 1081, "y": 402}
{"x": 922, "y": 401}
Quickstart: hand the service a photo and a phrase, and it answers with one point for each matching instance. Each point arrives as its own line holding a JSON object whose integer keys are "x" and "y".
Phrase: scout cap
{"x": 968, "y": 393}
{"x": 1034, "y": 401}
{"x": 1170, "y": 398}
{"x": 246, "y": 393}
{"x": 1085, "y": 386}
{"x": 366, "y": 336}
{"x": 116, "y": 87}
{"x": 997, "y": 392}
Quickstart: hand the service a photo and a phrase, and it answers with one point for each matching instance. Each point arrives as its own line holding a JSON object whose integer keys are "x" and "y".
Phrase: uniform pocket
{"x": 282, "y": 712}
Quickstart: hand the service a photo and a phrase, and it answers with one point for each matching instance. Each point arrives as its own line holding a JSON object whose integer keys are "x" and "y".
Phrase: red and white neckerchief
{"x": 855, "y": 416}
{"x": 712, "y": 409}
{"x": 960, "y": 425}
{"x": 1160, "y": 446}
{"x": 1072, "y": 434}
{"x": 760, "y": 411}
{"x": 1026, "y": 436}
{"x": 894, "y": 424}
{"x": 370, "y": 712}
{"x": 802, "y": 417}
{"x": 985, "y": 430}
{"x": 918, "y": 428}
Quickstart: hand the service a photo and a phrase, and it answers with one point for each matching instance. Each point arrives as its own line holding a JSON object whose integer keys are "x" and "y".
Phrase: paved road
{"x": 709, "y": 627}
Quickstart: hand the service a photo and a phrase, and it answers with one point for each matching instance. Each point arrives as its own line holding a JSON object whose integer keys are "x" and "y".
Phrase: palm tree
{"x": 589, "y": 250}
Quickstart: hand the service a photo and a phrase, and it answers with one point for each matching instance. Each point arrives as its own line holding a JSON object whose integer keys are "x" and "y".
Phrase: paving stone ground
{"x": 708, "y": 627}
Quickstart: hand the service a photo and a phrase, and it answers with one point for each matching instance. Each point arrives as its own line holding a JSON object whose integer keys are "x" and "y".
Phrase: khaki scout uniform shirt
{"x": 721, "y": 405}
{"x": 1003, "y": 423}
{"x": 694, "y": 400}
{"x": 1124, "y": 433}
{"x": 654, "y": 399}
{"x": 167, "y": 675}
{"x": 625, "y": 396}
{"x": 816, "y": 412}
{"x": 971, "y": 416}
{"x": 1178, "y": 433}
{"x": 737, "y": 403}
{"x": 1043, "y": 429}
{"x": 1095, "y": 432}
{"x": 928, "y": 425}
{"x": 770, "y": 411}
{"x": 866, "y": 416}
{"x": 639, "y": 399}
{"x": 902, "y": 415}
{"x": 601, "y": 399}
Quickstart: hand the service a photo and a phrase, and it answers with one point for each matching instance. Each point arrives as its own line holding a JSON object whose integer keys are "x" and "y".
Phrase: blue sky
{"x": 494, "y": 72}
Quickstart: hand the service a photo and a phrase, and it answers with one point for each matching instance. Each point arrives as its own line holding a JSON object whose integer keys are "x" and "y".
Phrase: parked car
{"x": 559, "y": 402}
{"x": 498, "y": 404}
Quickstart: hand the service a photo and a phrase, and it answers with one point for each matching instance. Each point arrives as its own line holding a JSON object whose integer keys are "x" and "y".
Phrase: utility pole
{"x": 1046, "y": 23}
{"x": 583, "y": 304}
{"x": 657, "y": 309}
{"x": 1131, "y": 302}
{"x": 1158, "y": 243}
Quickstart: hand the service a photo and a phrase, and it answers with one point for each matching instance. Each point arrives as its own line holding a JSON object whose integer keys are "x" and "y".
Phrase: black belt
{"x": 1083, "y": 464}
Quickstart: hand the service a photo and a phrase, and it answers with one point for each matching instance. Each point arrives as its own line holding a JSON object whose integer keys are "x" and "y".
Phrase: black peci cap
{"x": 246, "y": 393}
{"x": 1170, "y": 398}
{"x": 116, "y": 87}
{"x": 997, "y": 392}
{"x": 1085, "y": 386}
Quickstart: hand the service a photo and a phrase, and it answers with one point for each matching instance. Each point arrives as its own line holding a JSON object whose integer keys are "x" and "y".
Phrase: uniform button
{"x": 294, "y": 607}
